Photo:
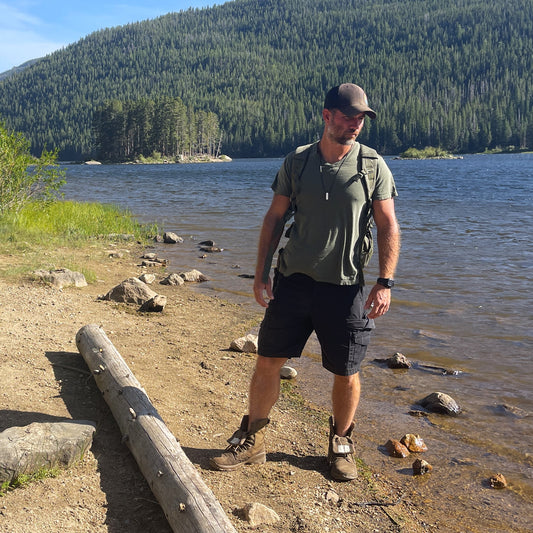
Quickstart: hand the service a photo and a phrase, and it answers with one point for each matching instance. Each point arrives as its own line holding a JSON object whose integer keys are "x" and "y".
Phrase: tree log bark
{"x": 187, "y": 502}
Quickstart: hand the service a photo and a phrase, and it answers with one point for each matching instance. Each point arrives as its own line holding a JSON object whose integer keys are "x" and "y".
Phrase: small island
{"x": 429, "y": 152}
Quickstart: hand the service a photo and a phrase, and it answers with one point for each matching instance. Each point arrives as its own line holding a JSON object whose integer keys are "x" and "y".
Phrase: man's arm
{"x": 389, "y": 250}
{"x": 271, "y": 232}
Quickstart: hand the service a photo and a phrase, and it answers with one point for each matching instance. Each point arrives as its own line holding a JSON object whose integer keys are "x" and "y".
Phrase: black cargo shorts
{"x": 335, "y": 313}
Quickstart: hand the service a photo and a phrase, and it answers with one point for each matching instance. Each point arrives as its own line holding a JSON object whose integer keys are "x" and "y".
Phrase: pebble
{"x": 287, "y": 372}
{"x": 498, "y": 481}
{"x": 421, "y": 467}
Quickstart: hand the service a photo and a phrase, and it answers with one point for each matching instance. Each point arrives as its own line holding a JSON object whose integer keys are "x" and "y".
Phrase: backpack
{"x": 367, "y": 164}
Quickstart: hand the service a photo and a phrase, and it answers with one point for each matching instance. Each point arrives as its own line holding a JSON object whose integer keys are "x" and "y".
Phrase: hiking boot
{"x": 246, "y": 447}
{"x": 341, "y": 454}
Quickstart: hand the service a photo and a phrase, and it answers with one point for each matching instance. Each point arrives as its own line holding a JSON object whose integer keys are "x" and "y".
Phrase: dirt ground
{"x": 198, "y": 386}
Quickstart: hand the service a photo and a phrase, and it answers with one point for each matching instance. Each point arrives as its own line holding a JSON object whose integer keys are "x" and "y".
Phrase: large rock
{"x": 131, "y": 290}
{"x": 439, "y": 402}
{"x": 62, "y": 277}
{"x": 26, "y": 450}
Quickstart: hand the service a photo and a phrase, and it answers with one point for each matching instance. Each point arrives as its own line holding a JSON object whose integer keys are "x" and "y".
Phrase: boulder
{"x": 131, "y": 290}
{"x": 211, "y": 249}
{"x": 62, "y": 277}
{"x": 439, "y": 402}
{"x": 27, "y": 449}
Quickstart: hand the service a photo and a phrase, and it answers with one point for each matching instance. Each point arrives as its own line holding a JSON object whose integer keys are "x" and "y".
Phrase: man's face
{"x": 342, "y": 128}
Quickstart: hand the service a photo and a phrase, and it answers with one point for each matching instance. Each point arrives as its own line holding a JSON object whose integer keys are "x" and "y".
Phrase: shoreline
{"x": 181, "y": 358}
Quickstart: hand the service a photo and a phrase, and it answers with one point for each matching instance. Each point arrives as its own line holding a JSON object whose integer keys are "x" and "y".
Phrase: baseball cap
{"x": 350, "y": 99}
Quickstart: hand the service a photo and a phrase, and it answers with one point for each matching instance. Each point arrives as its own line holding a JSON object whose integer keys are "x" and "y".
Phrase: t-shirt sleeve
{"x": 282, "y": 182}
{"x": 385, "y": 187}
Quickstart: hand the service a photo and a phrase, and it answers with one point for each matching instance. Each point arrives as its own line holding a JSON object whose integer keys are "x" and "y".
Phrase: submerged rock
{"x": 439, "y": 402}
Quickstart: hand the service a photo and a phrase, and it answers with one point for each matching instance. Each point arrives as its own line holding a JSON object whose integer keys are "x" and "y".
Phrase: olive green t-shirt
{"x": 324, "y": 239}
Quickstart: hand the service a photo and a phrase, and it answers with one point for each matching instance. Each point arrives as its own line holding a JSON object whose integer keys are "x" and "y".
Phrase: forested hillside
{"x": 451, "y": 73}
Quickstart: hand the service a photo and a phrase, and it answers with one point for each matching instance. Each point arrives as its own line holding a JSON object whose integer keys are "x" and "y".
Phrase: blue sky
{"x": 33, "y": 28}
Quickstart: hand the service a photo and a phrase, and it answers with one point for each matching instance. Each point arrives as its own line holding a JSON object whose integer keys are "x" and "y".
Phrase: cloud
{"x": 20, "y": 36}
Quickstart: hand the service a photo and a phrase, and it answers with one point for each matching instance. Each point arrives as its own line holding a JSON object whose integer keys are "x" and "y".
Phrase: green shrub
{"x": 23, "y": 177}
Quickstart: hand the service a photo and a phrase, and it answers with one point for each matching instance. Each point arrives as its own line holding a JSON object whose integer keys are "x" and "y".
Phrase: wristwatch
{"x": 386, "y": 282}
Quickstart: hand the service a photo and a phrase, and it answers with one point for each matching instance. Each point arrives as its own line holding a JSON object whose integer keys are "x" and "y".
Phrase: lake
{"x": 462, "y": 302}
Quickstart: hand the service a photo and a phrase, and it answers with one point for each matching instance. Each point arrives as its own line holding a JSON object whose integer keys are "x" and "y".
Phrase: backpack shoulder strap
{"x": 368, "y": 164}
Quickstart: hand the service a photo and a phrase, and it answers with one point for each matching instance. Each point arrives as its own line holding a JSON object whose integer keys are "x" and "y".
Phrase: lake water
{"x": 462, "y": 302}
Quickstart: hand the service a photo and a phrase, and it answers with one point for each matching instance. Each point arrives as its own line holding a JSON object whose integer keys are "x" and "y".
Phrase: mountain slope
{"x": 453, "y": 73}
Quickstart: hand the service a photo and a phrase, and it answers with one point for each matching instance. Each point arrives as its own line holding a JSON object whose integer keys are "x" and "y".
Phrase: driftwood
{"x": 187, "y": 502}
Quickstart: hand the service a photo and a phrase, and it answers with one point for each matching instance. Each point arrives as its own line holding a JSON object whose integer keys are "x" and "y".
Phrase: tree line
{"x": 162, "y": 128}
{"x": 449, "y": 73}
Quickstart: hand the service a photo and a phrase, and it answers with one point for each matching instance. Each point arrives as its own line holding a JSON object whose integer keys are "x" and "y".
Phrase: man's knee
{"x": 269, "y": 365}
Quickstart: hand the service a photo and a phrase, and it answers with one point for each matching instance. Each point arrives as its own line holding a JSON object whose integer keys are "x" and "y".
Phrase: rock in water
{"x": 414, "y": 443}
{"x": 396, "y": 448}
{"x": 421, "y": 467}
{"x": 398, "y": 360}
{"x": 439, "y": 402}
{"x": 498, "y": 482}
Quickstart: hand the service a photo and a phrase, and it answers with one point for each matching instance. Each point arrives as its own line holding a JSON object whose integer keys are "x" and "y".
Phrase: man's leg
{"x": 247, "y": 444}
{"x": 264, "y": 387}
{"x": 345, "y": 399}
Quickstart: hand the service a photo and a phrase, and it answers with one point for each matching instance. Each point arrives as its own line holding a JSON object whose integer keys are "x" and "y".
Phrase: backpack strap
{"x": 368, "y": 160}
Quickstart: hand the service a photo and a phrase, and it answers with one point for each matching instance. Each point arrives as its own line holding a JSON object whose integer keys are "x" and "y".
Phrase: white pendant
{"x": 327, "y": 196}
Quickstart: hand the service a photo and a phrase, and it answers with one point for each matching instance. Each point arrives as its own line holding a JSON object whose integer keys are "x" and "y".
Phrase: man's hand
{"x": 260, "y": 289}
{"x": 378, "y": 301}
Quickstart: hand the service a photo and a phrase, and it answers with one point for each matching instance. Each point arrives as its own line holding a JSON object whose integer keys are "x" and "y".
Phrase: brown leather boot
{"x": 246, "y": 447}
{"x": 341, "y": 454}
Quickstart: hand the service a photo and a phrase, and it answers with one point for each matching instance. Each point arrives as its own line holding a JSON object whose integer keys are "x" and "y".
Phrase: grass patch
{"x": 50, "y": 234}
{"x": 25, "y": 479}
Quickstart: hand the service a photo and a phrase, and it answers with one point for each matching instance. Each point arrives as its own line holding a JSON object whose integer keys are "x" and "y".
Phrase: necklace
{"x": 327, "y": 192}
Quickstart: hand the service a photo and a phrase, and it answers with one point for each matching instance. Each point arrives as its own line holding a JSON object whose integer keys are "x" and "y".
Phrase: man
{"x": 319, "y": 280}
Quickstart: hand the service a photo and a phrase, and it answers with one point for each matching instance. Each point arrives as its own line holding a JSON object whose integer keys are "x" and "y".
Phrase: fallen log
{"x": 187, "y": 502}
